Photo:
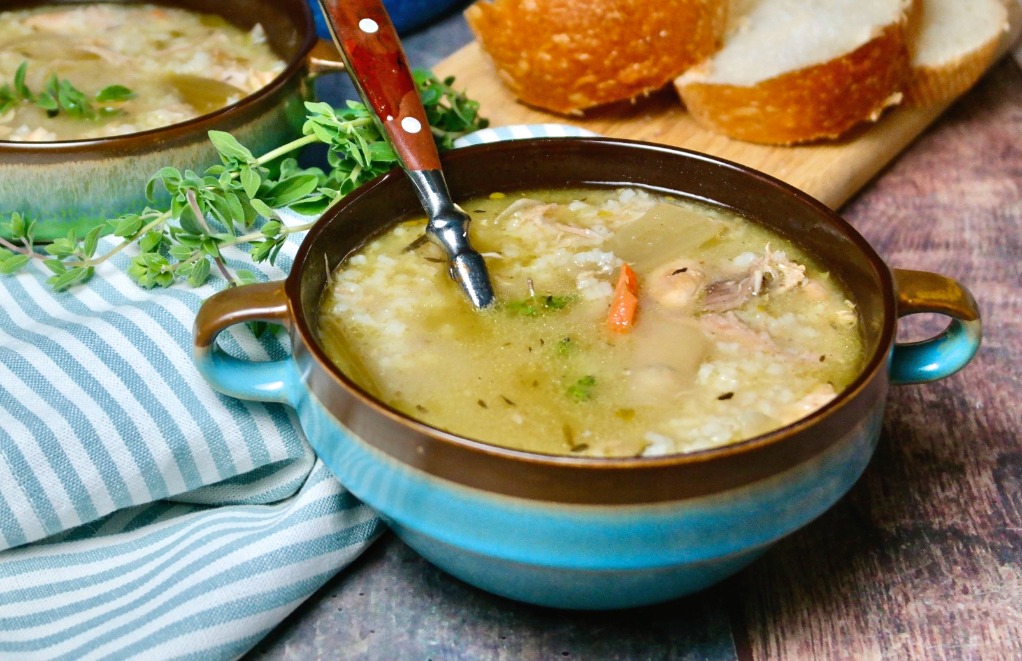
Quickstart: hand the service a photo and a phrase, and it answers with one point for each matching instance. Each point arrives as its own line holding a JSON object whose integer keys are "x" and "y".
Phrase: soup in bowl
{"x": 628, "y": 324}
{"x": 574, "y": 521}
{"x": 103, "y": 113}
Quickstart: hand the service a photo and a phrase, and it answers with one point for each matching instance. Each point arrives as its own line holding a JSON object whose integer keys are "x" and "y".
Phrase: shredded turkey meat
{"x": 772, "y": 271}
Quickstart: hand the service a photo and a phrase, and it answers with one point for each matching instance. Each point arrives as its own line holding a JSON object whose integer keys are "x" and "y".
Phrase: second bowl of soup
{"x": 98, "y": 96}
{"x": 687, "y": 361}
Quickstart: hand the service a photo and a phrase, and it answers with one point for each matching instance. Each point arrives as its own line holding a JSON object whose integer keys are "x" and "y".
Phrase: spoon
{"x": 377, "y": 65}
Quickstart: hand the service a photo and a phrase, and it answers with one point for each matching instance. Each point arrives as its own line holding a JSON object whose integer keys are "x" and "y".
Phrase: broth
{"x": 737, "y": 331}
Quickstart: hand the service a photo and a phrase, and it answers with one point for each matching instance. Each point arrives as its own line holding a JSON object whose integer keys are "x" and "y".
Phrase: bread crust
{"x": 566, "y": 56}
{"x": 817, "y": 102}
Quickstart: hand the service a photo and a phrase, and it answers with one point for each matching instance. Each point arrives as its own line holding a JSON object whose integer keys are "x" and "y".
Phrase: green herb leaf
{"x": 171, "y": 179}
{"x": 189, "y": 223}
{"x": 229, "y": 147}
{"x": 48, "y": 102}
{"x": 63, "y": 246}
{"x": 128, "y": 225}
{"x": 181, "y": 252}
{"x": 92, "y": 241}
{"x": 70, "y": 278}
{"x": 261, "y": 250}
{"x": 246, "y": 277}
{"x": 55, "y": 265}
{"x": 537, "y": 305}
{"x": 151, "y": 270}
{"x": 8, "y": 99}
{"x": 313, "y": 206}
{"x": 150, "y": 241}
{"x": 262, "y": 208}
{"x": 291, "y": 190}
{"x": 72, "y": 100}
{"x": 19, "y": 82}
{"x": 114, "y": 94}
{"x": 250, "y": 181}
{"x": 211, "y": 247}
{"x": 583, "y": 389}
{"x": 199, "y": 273}
{"x": 271, "y": 228}
{"x": 18, "y": 227}
{"x": 13, "y": 263}
{"x": 234, "y": 207}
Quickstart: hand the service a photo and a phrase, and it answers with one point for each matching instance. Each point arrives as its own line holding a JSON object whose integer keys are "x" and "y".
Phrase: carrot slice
{"x": 625, "y": 305}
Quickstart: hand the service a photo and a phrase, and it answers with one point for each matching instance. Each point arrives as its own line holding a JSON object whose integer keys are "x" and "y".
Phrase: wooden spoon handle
{"x": 377, "y": 64}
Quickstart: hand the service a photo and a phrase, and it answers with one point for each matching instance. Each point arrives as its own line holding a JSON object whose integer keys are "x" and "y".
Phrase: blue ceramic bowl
{"x": 576, "y": 532}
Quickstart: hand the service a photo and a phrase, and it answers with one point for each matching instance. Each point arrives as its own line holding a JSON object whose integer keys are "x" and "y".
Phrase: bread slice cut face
{"x": 957, "y": 41}
{"x": 792, "y": 71}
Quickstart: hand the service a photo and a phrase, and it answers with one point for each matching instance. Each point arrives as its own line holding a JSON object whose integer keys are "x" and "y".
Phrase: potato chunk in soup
{"x": 736, "y": 331}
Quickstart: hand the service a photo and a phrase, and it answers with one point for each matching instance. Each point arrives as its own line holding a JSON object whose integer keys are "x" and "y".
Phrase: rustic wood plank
{"x": 923, "y": 559}
{"x": 393, "y": 605}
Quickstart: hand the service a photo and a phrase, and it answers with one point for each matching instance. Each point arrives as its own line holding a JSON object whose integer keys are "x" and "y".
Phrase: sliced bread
{"x": 792, "y": 71}
{"x": 955, "y": 44}
{"x": 569, "y": 55}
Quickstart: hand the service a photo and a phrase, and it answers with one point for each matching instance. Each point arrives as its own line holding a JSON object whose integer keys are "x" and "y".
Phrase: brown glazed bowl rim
{"x": 151, "y": 139}
{"x": 777, "y": 447}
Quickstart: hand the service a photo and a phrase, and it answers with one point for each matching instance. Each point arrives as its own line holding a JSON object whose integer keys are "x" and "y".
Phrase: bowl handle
{"x": 952, "y": 349}
{"x": 265, "y": 381}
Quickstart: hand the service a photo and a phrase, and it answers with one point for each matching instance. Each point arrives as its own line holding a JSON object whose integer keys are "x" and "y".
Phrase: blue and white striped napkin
{"x": 142, "y": 514}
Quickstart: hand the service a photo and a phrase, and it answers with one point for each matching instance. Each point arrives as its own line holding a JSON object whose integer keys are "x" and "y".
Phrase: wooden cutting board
{"x": 832, "y": 172}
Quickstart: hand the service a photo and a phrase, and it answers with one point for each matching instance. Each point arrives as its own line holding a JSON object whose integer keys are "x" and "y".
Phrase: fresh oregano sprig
{"x": 235, "y": 202}
{"x": 59, "y": 96}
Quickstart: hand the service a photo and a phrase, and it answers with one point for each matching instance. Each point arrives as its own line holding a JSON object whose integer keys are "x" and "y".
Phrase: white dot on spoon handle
{"x": 411, "y": 125}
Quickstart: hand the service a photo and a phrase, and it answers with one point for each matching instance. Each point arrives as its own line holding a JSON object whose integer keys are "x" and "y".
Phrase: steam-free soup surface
{"x": 176, "y": 63}
{"x": 736, "y": 331}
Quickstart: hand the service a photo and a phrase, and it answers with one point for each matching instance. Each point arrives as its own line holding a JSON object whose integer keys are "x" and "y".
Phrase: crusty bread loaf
{"x": 570, "y": 55}
{"x": 956, "y": 41}
{"x": 793, "y": 71}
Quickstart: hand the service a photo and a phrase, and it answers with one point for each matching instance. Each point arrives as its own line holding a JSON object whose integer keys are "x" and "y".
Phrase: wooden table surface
{"x": 921, "y": 560}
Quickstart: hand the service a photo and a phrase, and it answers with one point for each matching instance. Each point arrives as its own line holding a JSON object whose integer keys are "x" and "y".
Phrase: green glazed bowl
{"x": 81, "y": 183}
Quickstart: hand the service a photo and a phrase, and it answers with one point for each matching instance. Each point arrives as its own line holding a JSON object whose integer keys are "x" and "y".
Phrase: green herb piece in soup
{"x": 60, "y": 96}
{"x": 537, "y": 305}
{"x": 114, "y": 94}
{"x": 583, "y": 389}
